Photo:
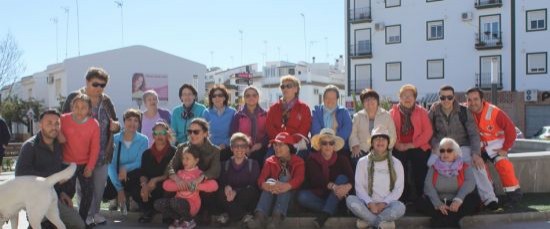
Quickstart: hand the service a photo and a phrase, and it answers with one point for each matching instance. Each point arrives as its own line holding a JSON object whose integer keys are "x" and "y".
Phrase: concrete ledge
{"x": 530, "y": 145}
{"x": 531, "y": 169}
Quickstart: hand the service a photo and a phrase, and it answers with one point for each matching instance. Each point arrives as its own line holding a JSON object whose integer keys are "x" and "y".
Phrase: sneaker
{"x": 174, "y": 225}
{"x": 257, "y": 222}
{"x": 89, "y": 221}
{"x": 123, "y": 209}
{"x": 188, "y": 224}
{"x": 361, "y": 224}
{"x": 386, "y": 225}
{"x": 222, "y": 219}
{"x": 492, "y": 206}
{"x": 247, "y": 218}
{"x": 276, "y": 221}
{"x": 320, "y": 220}
{"x": 99, "y": 219}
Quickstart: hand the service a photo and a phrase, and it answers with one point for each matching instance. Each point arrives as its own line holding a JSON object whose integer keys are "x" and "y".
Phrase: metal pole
{"x": 66, "y": 9}
{"x": 305, "y": 38}
{"x": 78, "y": 27}
{"x": 120, "y": 4}
{"x": 54, "y": 20}
{"x": 494, "y": 80}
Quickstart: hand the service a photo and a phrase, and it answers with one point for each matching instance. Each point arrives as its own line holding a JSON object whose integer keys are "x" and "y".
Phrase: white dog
{"x": 34, "y": 194}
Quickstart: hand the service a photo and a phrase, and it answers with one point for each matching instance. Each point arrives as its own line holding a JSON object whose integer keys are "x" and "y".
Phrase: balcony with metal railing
{"x": 483, "y": 81}
{"x": 488, "y": 40}
{"x": 360, "y": 15}
{"x": 360, "y": 51}
{"x": 483, "y": 4}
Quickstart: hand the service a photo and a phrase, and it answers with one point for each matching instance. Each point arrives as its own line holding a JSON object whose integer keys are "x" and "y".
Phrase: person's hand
{"x": 114, "y": 125}
{"x": 121, "y": 197}
{"x": 267, "y": 187}
{"x": 88, "y": 172}
{"x": 152, "y": 184}
{"x": 443, "y": 209}
{"x": 182, "y": 185}
{"x": 222, "y": 146}
{"x": 255, "y": 147}
{"x": 342, "y": 190}
{"x": 281, "y": 187}
{"x": 355, "y": 151}
{"x": 478, "y": 161}
{"x": 65, "y": 199}
{"x": 400, "y": 147}
{"x": 381, "y": 206}
{"x": 122, "y": 174}
{"x": 229, "y": 193}
{"x": 373, "y": 208}
{"x": 501, "y": 152}
{"x": 455, "y": 205}
{"x": 145, "y": 193}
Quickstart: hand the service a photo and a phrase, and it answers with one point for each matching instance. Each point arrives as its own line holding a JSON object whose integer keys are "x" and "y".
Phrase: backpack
{"x": 227, "y": 164}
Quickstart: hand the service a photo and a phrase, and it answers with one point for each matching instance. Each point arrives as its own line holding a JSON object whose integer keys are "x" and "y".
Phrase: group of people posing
{"x": 247, "y": 165}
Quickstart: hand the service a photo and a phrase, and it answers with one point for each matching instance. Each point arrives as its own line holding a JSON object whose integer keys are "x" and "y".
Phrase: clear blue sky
{"x": 190, "y": 29}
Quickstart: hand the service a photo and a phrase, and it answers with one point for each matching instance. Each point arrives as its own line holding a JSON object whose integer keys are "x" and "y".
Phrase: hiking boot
{"x": 276, "y": 221}
{"x": 492, "y": 206}
{"x": 258, "y": 221}
{"x": 320, "y": 221}
{"x": 514, "y": 197}
{"x": 113, "y": 205}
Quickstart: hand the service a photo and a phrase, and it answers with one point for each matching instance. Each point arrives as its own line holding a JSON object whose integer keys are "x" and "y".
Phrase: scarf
{"x": 253, "y": 122}
{"x": 187, "y": 113}
{"x": 406, "y": 113}
{"x": 287, "y": 106}
{"x": 159, "y": 154}
{"x": 325, "y": 164}
{"x": 378, "y": 158}
{"x": 328, "y": 117}
{"x": 285, "y": 167}
{"x": 448, "y": 169}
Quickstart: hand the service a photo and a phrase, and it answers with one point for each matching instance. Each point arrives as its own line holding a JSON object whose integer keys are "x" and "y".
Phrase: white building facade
{"x": 430, "y": 43}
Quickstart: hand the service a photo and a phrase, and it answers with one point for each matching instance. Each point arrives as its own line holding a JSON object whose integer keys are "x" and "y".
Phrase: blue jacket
{"x": 342, "y": 117}
{"x": 220, "y": 125}
{"x": 130, "y": 157}
{"x": 180, "y": 125}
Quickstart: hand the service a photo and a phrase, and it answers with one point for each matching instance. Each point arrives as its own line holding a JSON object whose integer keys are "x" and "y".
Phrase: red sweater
{"x": 82, "y": 146}
{"x": 506, "y": 124}
{"x": 299, "y": 120}
{"x": 422, "y": 126}
{"x": 272, "y": 169}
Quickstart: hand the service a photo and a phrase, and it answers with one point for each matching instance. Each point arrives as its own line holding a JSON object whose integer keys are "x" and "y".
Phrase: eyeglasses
{"x": 446, "y": 150}
{"x": 239, "y": 146}
{"x": 218, "y": 95}
{"x": 102, "y": 85}
{"x": 159, "y": 132}
{"x": 250, "y": 95}
{"x": 195, "y": 132}
{"x": 448, "y": 97}
{"x": 330, "y": 143}
{"x": 287, "y": 86}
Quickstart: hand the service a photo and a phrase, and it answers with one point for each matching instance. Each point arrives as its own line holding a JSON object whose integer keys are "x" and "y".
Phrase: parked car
{"x": 543, "y": 133}
{"x": 519, "y": 134}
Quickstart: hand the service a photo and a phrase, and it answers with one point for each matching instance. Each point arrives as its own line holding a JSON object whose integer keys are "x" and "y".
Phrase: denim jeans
{"x": 266, "y": 205}
{"x": 329, "y": 205}
{"x": 392, "y": 212}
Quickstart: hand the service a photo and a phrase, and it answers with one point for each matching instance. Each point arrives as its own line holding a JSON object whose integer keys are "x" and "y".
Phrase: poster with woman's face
{"x": 142, "y": 82}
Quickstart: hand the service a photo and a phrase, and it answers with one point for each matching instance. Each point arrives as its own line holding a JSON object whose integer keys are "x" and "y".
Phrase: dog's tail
{"x": 62, "y": 175}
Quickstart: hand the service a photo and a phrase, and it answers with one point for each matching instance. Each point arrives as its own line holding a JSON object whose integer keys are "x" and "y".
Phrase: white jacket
{"x": 360, "y": 134}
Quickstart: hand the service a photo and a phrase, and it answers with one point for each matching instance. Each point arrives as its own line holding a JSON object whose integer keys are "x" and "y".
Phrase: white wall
{"x": 457, "y": 47}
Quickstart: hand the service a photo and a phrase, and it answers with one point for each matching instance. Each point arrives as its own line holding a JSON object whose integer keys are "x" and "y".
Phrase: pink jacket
{"x": 421, "y": 123}
{"x": 192, "y": 197}
{"x": 242, "y": 123}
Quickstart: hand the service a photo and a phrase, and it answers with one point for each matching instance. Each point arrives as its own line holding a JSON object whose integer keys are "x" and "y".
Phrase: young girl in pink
{"x": 187, "y": 202}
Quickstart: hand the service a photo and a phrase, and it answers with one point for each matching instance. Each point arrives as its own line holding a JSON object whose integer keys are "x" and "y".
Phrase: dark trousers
{"x": 259, "y": 156}
{"x": 147, "y": 208}
{"x": 469, "y": 206}
{"x": 174, "y": 208}
{"x": 86, "y": 189}
{"x": 131, "y": 186}
{"x": 244, "y": 203}
{"x": 414, "y": 164}
{"x": 209, "y": 203}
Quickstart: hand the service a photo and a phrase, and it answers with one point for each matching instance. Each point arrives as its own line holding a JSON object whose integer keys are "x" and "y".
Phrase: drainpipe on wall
{"x": 513, "y": 45}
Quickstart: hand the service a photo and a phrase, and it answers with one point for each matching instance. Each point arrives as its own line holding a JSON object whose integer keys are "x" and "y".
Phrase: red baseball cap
{"x": 283, "y": 137}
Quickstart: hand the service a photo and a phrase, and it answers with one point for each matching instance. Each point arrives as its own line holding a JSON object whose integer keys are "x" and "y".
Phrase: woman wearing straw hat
{"x": 329, "y": 176}
{"x": 379, "y": 181}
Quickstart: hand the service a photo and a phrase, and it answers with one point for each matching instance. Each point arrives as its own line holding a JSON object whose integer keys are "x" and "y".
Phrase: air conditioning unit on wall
{"x": 467, "y": 16}
{"x": 530, "y": 95}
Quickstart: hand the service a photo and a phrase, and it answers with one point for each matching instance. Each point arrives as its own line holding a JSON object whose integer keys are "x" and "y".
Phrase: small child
{"x": 187, "y": 202}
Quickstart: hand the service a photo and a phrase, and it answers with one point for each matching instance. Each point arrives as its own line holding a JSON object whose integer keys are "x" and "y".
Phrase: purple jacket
{"x": 164, "y": 114}
{"x": 242, "y": 123}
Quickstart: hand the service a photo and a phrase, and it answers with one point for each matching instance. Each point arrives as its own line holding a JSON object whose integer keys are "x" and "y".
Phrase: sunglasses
{"x": 287, "y": 86}
{"x": 159, "y": 132}
{"x": 102, "y": 85}
{"x": 218, "y": 95}
{"x": 250, "y": 95}
{"x": 330, "y": 143}
{"x": 448, "y": 97}
{"x": 239, "y": 146}
{"x": 446, "y": 150}
{"x": 195, "y": 132}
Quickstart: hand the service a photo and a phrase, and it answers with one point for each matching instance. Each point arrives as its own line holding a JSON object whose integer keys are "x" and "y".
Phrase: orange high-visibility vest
{"x": 488, "y": 129}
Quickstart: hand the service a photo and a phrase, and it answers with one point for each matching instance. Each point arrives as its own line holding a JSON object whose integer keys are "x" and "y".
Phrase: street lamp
{"x": 305, "y": 38}
{"x": 120, "y": 5}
